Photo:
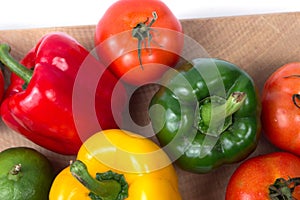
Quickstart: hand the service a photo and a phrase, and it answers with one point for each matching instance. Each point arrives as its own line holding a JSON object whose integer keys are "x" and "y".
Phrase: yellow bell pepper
{"x": 147, "y": 171}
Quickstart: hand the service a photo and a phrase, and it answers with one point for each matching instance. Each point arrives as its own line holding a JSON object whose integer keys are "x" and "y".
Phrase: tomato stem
{"x": 283, "y": 189}
{"x": 295, "y": 97}
{"x": 142, "y": 31}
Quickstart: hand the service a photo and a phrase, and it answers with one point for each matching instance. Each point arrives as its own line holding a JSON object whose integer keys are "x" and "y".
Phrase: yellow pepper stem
{"x": 106, "y": 186}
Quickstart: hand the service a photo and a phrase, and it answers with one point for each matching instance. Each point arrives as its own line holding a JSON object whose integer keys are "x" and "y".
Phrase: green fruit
{"x": 25, "y": 174}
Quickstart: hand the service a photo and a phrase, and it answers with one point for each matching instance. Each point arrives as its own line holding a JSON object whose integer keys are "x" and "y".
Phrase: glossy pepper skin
{"x": 2, "y": 85}
{"x": 44, "y": 111}
{"x": 146, "y": 176}
{"x": 190, "y": 120}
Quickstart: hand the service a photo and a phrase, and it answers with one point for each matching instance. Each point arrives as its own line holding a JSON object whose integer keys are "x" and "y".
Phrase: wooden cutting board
{"x": 258, "y": 43}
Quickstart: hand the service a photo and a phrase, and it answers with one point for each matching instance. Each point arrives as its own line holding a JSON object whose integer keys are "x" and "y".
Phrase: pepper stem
{"x": 111, "y": 187}
{"x": 283, "y": 189}
{"x": 14, "y": 66}
{"x": 216, "y": 112}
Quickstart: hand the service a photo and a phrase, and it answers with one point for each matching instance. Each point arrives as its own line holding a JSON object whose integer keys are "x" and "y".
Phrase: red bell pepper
{"x": 44, "y": 110}
{"x": 2, "y": 85}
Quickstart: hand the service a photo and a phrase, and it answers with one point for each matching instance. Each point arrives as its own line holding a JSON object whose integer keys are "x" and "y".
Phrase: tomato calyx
{"x": 283, "y": 189}
{"x": 295, "y": 97}
{"x": 142, "y": 31}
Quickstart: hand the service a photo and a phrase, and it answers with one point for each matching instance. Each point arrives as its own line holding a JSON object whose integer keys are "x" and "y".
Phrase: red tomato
{"x": 281, "y": 108}
{"x": 139, "y": 40}
{"x": 252, "y": 179}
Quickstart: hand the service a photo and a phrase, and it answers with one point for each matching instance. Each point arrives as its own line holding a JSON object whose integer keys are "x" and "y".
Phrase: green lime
{"x": 25, "y": 174}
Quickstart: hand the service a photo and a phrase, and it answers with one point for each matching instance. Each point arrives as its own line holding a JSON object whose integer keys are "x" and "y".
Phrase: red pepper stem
{"x": 14, "y": 66}
{"x": 106, "y": 190}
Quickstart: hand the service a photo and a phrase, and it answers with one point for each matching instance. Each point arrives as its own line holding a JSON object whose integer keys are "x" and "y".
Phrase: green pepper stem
{"x": 220, "y": 112}
{"x": 213, "y": 115}
{"x": 14, "y": 66}
{"x": 234, "y": 102}
{"x": 283, "y": 189}
{"x": 106, "y": 189}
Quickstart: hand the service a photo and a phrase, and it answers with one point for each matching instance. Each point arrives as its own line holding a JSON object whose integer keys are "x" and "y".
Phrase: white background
{"x": 16, "y": 14}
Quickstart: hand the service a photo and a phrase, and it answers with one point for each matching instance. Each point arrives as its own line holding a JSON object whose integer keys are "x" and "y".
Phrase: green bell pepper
{"x": 206, "y": 114}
